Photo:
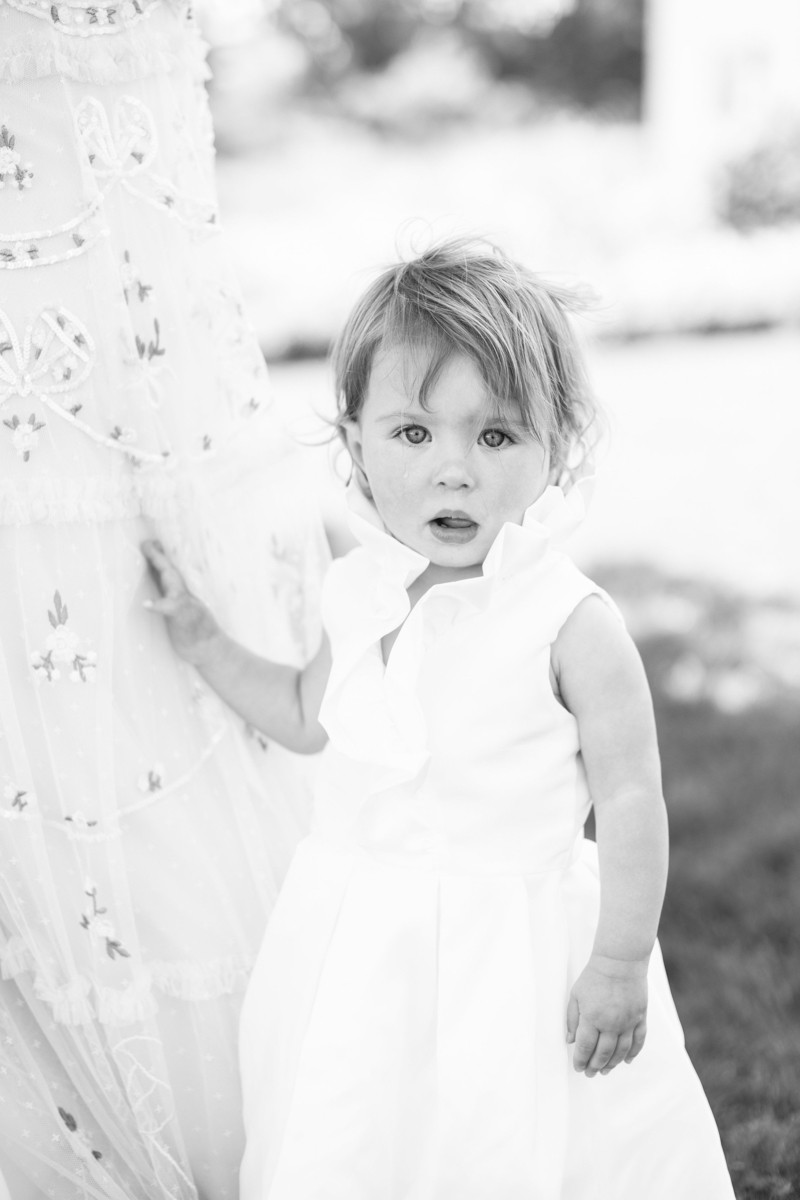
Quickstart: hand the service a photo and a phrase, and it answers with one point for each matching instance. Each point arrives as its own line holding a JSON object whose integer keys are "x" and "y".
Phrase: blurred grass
{"x": 731, "y": 924}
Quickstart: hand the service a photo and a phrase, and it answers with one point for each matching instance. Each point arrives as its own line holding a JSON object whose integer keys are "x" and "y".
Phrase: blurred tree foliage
{"x": 587, "y": 53}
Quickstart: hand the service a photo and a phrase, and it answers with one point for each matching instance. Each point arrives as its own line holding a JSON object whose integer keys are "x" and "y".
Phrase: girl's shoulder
{"x": 555, "y": 591}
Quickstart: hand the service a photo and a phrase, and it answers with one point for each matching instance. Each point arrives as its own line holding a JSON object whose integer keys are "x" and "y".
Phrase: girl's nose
{"x": 454, "y": 473}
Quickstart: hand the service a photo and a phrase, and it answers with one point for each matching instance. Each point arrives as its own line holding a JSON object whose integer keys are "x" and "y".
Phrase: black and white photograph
{"x": 399, "y": 600}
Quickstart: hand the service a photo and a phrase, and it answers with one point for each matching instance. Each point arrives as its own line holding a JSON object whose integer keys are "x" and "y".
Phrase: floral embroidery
{"x": 80, "y": 821}
{"x": 16, "y": 796}
{"x": 44, "y": 667}
{"x": 68, "y": 1120}
{"x": 152, "y": 781}
{"x": 147, "y": 352}
{"x": 80, "y": 1136}
{"x": 88, "y": 229}
{"x": 19, "y": 251}
{"x": 153, "y": 348}
{"x": 129, "y": 274}
{"x": 80, "y": 21}
{"x": 79, "y": 233}
{"x": 62, "y": 647}
{"x": 239, "y": 363}
{"x": 288, "y": 587}
{"x": 98, "y": 925}
{"x": 123, "y": 435}
{"x": 25, "y": 434}
{"x": 11, "y": 167}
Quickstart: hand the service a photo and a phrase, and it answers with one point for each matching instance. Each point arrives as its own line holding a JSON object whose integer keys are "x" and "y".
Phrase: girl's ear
{"x": 351, "y": 433}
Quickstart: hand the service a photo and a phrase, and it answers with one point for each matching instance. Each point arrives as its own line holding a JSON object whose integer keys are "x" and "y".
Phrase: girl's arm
{"x": 281, "y": 701}
{"x": 602, "y": 682}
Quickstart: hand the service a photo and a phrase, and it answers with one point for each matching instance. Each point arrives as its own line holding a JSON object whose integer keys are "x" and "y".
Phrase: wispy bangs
{"x": 464, "y": 298}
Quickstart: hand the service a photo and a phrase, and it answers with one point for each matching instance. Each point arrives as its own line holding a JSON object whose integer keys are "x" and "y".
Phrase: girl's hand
{"x": 192, "y": 629}
{"x": 606, "y": 1014}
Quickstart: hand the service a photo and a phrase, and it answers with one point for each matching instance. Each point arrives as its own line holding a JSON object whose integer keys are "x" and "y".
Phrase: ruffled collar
{"x": 372, "y": 713}
{"x": 547, "y": 522}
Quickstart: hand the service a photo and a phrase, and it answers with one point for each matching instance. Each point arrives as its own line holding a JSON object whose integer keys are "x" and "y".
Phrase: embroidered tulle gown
{"x": 143, "y": 830}
{"x": 433, "y": 922}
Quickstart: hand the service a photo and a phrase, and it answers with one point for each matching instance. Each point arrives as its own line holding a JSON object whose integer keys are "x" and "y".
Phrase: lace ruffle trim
{"x": 131, "y": 55}
{"x": 80, "y": 1002}
{"x": 192, "y": 980}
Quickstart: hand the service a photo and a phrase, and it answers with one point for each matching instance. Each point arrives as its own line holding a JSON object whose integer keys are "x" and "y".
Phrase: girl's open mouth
{"x": 454, "y": 530}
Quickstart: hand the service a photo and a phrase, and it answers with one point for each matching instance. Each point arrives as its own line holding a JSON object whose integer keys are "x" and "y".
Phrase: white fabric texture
{"x": 144, "y": 832}
{"x": 432, "y": 924}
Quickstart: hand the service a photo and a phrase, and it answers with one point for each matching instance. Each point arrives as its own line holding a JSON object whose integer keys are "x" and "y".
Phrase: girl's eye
{"x": 494, "y": 438}
{"x": 415, "y": 435}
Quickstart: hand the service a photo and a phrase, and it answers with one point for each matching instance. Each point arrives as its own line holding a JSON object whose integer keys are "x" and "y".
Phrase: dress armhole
{"x": 568, "y": 587}
{"x": 580, "y": 588}
{"x": 604, "y": 596}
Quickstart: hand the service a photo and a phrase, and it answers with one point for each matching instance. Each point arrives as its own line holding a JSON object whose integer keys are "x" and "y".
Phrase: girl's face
{"x": 446, "y": 478}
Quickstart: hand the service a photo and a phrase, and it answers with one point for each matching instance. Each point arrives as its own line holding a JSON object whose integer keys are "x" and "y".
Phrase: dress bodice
{"x": 456, "y": 754}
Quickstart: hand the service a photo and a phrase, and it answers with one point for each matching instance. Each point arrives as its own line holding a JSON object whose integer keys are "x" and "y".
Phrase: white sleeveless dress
{"x": 403, "y": 1035}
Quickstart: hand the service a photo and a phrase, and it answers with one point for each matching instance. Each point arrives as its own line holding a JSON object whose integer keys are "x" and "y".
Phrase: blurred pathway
{"x": 701, "y": 473}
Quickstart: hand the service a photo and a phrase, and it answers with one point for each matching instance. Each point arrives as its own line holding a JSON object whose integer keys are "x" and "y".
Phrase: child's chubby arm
{"x": 281, "y": 701}
{"x": 601, "y": 681}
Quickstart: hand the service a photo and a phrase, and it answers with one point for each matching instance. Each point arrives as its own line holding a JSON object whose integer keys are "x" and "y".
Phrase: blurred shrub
{"x": 437, "y": 81}
{"x": 591, "y": 56}
{"x": 585, "y": 53}
{"x": 763, "y": 187}
{"x": 708, "y": 645}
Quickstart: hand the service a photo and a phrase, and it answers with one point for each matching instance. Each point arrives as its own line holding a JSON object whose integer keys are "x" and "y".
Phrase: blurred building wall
{"x": 722, "y": 76}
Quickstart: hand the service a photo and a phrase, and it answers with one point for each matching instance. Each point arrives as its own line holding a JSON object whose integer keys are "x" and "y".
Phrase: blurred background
{"x": 652, "y": 150}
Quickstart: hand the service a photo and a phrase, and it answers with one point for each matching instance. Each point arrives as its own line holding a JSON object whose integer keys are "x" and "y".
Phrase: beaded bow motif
{"x": 121, "y": 145}
{"x": 54, "y": 358}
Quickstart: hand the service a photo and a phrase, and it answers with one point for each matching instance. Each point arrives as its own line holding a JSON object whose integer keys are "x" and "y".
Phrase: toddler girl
{"x": 449, "y": 966}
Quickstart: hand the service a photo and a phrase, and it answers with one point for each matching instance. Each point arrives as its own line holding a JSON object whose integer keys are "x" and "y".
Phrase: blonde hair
{"x": 464, "y": 296}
